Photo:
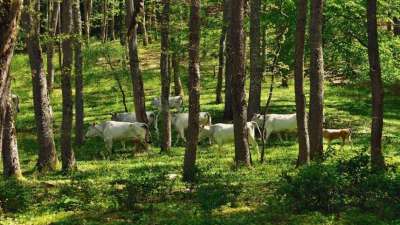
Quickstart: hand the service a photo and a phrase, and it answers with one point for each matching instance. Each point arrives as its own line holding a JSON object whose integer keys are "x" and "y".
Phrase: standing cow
{"x": 180, "y": 121}
{"x": 174, "y": 102}
{"x": 131, "y": 117}
{"x": 112, "y": 131}
{"x": 276, "y": 123}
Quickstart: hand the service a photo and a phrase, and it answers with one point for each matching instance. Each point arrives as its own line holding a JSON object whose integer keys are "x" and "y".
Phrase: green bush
{"x": 14, "y": 196}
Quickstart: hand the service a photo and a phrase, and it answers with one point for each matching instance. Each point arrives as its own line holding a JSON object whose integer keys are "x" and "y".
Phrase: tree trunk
{"x": 255, "y": 59}
{"x": 104, "y": 21}
{"x": 165, "y": 80}
{"x": 47, "y": 151}
{"x": 144, "y": 30}
{"x": 396, "y": 26}
{"x": 87, "y": 10}
{"x": 194, "y": 92}
{"x": 11, "y": 165}
{"x": 178, "y": 90}
{"x": 228, "y": 114}
{"x": 53, "y": 15}
{"x": 9, "y": 17}
{"x": 316, "y": 82}
{"x": 221, "y": 52}
{"x": 236, "y": 54}
{"x": 79, "y": 108}
{"x": 302, "y": 132}
{"x": 112, "y": 21}
{"x": 67, "y": 156}
{"x": 377, "y": 159}
{"x": 133, "y": 10}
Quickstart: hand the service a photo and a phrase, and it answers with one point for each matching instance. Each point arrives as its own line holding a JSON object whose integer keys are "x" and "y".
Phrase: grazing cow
{"x": 174, "y": 102}
{"x": 180, "y": 121}
{"x": 276, "y": 123}
{"x": 222, "y": 133}
{"x": 112, "y": 131}
{"x": 331, "y": 134}
{"x": 15, "y": 101}
{"x": 131, "y": 117}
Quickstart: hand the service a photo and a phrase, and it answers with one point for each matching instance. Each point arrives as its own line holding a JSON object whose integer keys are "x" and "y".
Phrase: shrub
{"x": 14, "y": 196}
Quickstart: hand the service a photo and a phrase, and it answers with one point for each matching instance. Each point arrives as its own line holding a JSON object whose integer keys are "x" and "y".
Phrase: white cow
{"x": 276, "y": 123}
{"x": 174, "y": 102}
{"x": 112, "y": 131}
{"x": 222, "y": 133}
{"x": 131, "y": 117}
{"x": 180, "y": 121}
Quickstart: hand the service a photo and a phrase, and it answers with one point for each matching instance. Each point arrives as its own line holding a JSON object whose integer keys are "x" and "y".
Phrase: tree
{"x": 178, "y": 90}
{"x": 165, "y": 80}
{"x": 54, "y": 11}
{"x": 87, "y": 11}
{"x": 104, "y": 21}
{"x": 236, "y": 55}
{"x": 316, "y": 81}
{"x": 377, "y": 159}
{"x": 67, "y": 156}
{"x": 396, "y": 26}
{"x": 194, "y": 91}
{"x": 47, "y": 151}
{"x": 255, "y": 59}
{"x": 302, "y": 132}
{"x": 228, "y": 114}
{"x": 9, "y": 17}
{"x": 221, "y": 52}
{"x": 143, "y": 29}
{"x": 134, "y": 10}
{"x": 79, "y": 108}
{"x": 11, "y": 165}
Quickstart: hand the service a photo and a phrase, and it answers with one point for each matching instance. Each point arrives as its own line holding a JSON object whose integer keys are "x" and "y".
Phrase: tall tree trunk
{"x": 79, "y": 109}
{"x": 165, "y": 80}
{"x": 255, "y": 59}
{"x": 11, "y": 165}
{"x": 53, "y": 15}
{"x": 104, "y": 21}
{"x": 221, "y": 52}
{"x": 112, "y": 21}
{"x": 302, "y": 132}
{"x": 47, "y": 151}
{"x": 396, "y": 26}
{"x": 194, "y": 92}
{"x": 377, "y": 159}
{"x": 228, "y": 114}
{"x": 134, "y": 9}
{"x": 236, "y": 54}
{"x": 87, "y": 11}
{"x": 9, "y": 17}
{"x": 316, "y": 82}
{"x": 178, "y": 90}
{"x": 67, "y": 156}
{"x": 144, "y": 30}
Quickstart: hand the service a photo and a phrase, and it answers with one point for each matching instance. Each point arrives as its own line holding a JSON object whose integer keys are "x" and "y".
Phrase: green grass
{"x": 96, "y": 193}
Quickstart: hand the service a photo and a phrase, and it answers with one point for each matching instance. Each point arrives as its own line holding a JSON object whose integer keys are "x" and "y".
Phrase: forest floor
{"x": 138, "y": 189}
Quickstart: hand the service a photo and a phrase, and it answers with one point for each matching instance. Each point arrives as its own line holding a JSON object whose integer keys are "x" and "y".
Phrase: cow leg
{"x": 280, "y": 137}
{"x": 109, "y": 144}
{"x": 123, "y": 146}
{"x": 267, "y": 134}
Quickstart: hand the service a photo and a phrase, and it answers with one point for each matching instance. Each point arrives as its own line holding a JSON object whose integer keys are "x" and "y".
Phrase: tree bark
{"x": 221, "y": 52}
{"x": 377, "y": 159}
{"x": 255, "y": 59}
{"x": 165, "y": 80}
{"x": 178, "y": 90}
{"x": 112, "y": 21}
{"x": 53, "y": 15}
{"x": 134, "y": 10}
{"x": 104, "y": 21}
{"x": 11, "y": 165}
{"x": 79, "y": 104}
{"x": 396, "y": 26}
{"x": 9, "y": 18}
{"x": 228, "y": 114}
{"x": 194, "y": 92}
{"x": 316, "y": 82}
{"x": 87, "y": 9}
{"x": 67, "y": 156}
{"x": 302, "y": 132}
{"x": 144, "y": 30}
{"x": 47, "y": 160}
{"x": 236, "y": 54}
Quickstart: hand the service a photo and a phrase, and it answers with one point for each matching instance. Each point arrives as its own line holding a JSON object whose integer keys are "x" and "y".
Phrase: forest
{"x": 200, "y": 112}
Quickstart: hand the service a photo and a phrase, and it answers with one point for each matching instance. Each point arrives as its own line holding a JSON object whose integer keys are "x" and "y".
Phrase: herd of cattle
{"x": 124, "y": 127}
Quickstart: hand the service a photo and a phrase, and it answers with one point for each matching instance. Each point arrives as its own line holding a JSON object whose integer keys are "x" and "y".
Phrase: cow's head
{"x": 93, "y": 131}
{"x": 113, "y": 115}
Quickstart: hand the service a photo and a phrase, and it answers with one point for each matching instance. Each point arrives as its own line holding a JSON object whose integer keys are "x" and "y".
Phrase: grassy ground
{"x": 102, "y": 191}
